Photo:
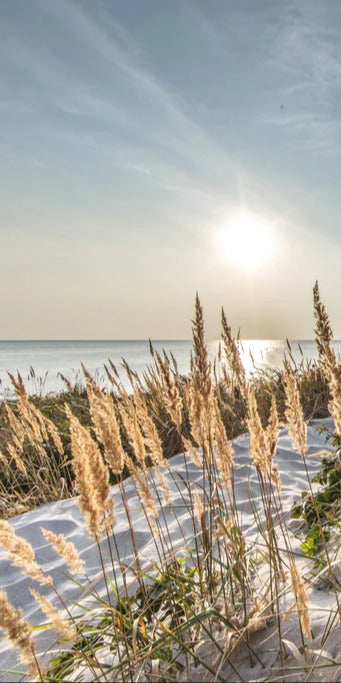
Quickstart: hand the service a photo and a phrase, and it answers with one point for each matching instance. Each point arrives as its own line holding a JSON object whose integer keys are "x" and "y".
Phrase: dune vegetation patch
{"x": 194, "y": 522}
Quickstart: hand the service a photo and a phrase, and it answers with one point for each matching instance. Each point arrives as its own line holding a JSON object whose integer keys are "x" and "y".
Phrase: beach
{"x": 64, "y": 516}
{"x": 183, "y": 528}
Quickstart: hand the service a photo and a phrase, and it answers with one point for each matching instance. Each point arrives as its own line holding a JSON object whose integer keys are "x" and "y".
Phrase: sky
{"x": 134, "y": 134}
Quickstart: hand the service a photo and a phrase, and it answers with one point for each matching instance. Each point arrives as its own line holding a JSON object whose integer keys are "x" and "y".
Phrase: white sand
{"x": 65, "y": 517}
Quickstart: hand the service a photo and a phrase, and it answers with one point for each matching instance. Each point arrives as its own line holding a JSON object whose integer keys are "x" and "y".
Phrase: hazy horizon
{"x": 155, "y": 339}
{"x": 151, "y": 150}
{"x": 43, "y": 363}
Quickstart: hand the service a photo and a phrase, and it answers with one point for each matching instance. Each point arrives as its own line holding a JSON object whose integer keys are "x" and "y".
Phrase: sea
{"x": 41, "y": 363}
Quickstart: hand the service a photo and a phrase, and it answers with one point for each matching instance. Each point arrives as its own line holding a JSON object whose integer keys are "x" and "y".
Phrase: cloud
{"x": 121, "y": 112}
{"x": 306, "y": 54}
{"x": 95, "y": 93}
{"x": 115, "y": 46}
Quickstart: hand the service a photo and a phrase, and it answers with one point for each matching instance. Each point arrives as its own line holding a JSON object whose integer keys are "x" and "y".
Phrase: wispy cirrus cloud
{"x": 306, "y": 53}
{"x": 119, "y": 51}
{"x": 125, "y": 114}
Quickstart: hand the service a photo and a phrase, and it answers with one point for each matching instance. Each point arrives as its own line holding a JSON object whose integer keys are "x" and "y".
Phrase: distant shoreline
{"x": 40, "y": 361}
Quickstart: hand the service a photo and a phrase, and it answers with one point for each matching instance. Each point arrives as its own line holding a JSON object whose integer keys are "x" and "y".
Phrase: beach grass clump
{"x": 35, "y": 450}
{"x": 207, "y": 600}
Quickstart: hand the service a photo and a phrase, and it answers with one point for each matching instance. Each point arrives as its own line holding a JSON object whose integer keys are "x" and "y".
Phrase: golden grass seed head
{"x": 294, "y": 413}
{"x": 15, "y": 455}
{"x": 91, "y": 476}
{"x": 233, "y": 356}
{"x": 301, "y": 598}
{"x": 272, "y": 429}
{"x": 20, "y": 633}
{"x": 200, "y": 366}
{"x": 198, "y": 506}
{"x": 21, "y": 554}
{"x": 133, "y": 431}
{"x": 105, "y": 423}
{"x": 55, "y": 616}
{"x": 258, "y": 443}
{"x": 224, "y": 456}
{"x": 151, "y": 438}
{"x": 66, "y": 550}
{"x": 323, "y": 331}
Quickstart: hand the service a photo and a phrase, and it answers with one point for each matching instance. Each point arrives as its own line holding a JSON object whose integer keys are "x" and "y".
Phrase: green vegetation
{"x": 320, "y": 512}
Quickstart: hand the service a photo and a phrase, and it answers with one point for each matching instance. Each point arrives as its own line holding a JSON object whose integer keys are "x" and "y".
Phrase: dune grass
{"x": 193, "y": 614}
{"x": 34, "y": 469}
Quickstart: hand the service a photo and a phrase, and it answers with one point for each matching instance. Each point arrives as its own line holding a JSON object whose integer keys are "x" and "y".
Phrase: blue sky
{"x": 132, "y": 131}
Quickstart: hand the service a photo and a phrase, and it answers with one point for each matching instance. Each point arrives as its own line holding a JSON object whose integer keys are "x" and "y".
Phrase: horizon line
{"x": 148, "y": 339}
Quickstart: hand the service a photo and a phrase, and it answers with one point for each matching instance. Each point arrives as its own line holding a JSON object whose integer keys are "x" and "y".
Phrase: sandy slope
{"x": 65, "y": 517}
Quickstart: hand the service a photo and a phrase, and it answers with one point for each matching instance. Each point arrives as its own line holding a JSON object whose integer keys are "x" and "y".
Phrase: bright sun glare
{"x": 247, "y": 241}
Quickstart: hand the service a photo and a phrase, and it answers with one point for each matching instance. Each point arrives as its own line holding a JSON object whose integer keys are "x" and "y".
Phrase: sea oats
{"x": 200, "y": 366}
{"x": 47, "y": 428}
{"x": 66, "y": 550}
{"x": 233, "y": 356}
{"x": 91, "y": 475}
{"x": 35, "y": 430}
{"x": 198, "y": 507}
{"x": 194, "y": 455}
{"x": 272, "y": 429}
{"x": 17, "y": 444}
{"x": 104, "y": 419}
{"x": 275, "y": 476}
{"x": 263, "y": 441}
{"x": 18, "y": 385}
{"x": 224, "y": 448}
{"x": 170, "y": 391}
{"x": 108, "y": 521}
{"x": 133, "y": 431}
{"x": 32, "y": 422}
{"x": 19, "y": 632}
{"x": 294, "y": 413}
{"x": 333, "y": 372}
{"x": 301, "y": 598}
{"x": 36, "y": 419}
{"x": 55, "y": 616}
{"x": 21, "y": 554}
{"x": 16, "y": 427}
{"x": 53, "y": 431}
{"x": 16, "y": 457}
{"x": 271, "y": 437}
{"x": 142, "y": 486}
{"x": 163, "y": 484}
{"x": 199, "y": 421}
{"x": 324, "y": 334}
{"x": 331, "y": 366}
{"x": 258, "y": 442}
{"x": 145, "y": 494}
{"x": 151, "y": 438}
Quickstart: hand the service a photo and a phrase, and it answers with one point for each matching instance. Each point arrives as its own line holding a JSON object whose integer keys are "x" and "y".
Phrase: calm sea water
{"x": 48, "y": 358}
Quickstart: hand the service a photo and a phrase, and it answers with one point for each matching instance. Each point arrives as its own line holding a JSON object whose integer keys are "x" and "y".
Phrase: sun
{"x": 247, "y": 241}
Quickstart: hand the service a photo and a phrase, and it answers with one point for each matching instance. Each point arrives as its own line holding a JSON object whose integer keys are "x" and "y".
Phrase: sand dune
{"x": 65, "y": 517}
